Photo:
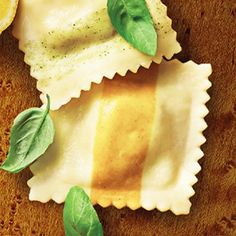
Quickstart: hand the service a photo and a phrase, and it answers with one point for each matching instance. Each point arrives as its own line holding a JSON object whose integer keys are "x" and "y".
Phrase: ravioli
{"x": 132, "y": 141}
{"x": 71, "y": 43}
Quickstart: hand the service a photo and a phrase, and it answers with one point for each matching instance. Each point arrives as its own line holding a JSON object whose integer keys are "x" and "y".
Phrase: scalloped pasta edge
{"x": 86, "y": 87}
{"x": 191, "y": 166}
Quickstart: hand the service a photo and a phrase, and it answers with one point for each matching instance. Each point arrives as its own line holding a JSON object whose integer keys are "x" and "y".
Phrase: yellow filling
{"x": 122, "y": 138}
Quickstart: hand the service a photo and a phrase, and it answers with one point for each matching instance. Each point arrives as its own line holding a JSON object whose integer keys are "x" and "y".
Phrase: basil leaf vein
{"x": 133, "y": 21}
{"x": 31, "y": 134}
{"x": 80, "y": 218}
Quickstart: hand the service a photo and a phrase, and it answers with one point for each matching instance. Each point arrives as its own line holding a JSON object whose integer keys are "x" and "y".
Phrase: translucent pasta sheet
{"x": 132, "y": 141}
{"x": 70, "y": 44}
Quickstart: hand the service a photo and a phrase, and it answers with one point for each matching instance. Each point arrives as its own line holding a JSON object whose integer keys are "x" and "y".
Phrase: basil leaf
{"x": 31, "y": 134}
{"x": 133, "y": 21}
{"x": 80, "y": 218}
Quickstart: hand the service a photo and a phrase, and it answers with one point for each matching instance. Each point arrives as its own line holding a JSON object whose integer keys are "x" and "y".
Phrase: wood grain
{"x": 207, "y": 33}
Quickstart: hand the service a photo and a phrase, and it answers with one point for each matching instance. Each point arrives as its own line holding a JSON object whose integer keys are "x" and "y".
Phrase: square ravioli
{"x": 67, "y": 37}
{"x": 132, "y": 141}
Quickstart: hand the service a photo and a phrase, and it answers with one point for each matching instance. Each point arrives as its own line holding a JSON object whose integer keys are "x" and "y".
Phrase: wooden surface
{"x": 207, "y": 32}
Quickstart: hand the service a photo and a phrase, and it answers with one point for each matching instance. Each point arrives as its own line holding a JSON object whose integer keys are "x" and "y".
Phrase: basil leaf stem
{"x": 133, "y": 21}
{"x": 80, "y": 218}
{"x": 31, "y": 134}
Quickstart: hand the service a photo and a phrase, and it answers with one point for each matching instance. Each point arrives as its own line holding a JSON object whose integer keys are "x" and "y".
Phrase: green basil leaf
{"x": 133, "y": 21}
{"x": 80, "y": 218}
{"x": 31, "y": 134}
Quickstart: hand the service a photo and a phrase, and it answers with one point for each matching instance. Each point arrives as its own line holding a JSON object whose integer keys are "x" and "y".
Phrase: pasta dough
{"x": 71, "y": 43}
{"x": 132, "y": 141}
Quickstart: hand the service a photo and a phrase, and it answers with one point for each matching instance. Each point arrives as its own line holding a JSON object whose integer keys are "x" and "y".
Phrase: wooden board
{"x": 207, "y": 32}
